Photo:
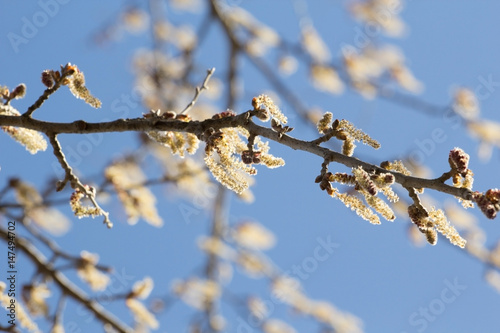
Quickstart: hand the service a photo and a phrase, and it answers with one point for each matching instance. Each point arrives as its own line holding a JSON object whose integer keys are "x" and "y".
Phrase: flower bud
{"x": 431, "y": 236}
{"x": 256, "y": 157}
{"x": 459, "y": 160}
{"x": 18, "y": 91}
{"x": 246, "y": 157}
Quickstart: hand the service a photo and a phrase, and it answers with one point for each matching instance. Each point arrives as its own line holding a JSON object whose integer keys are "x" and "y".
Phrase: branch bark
{"x": 243, "y": 120}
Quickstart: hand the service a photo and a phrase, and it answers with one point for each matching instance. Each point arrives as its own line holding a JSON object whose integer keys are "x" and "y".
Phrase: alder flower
{"x": 228, "y": 158}
{"x": 141, "y": 289}
{"x": 342, "y": 178}
{"x": 88, "y": 272}
{"x": 50, "y": 220}
{"x": 465, "y": 103}
{"x": 348, "y": 147}
{"x": 429, "y": 223}
{"x": 325, "y": 123}
{"x": 381, "y": 12}
{"x": 340, "y": 321}
{"x": 135, "y": 19}
{"x": 215, "y": 246}
{"x": 264, "y": 102}
{"x": 288, "y": 290}
{"x": 358, "y": 134}
{"x": 489, "y": 134}
{"x": 487, "y": 203}
{"x": 459, "y": 160}
{"x": 34, "y": 297}
{"x": 196, "y": 292}
{"x": 138, "y": 200}
{"x": 364, "y": 181}
{"x": 404, "y": 77}
{"x": 257, "y": 307}
{"x": 397, "y": 166}
{"x": 492, "y": 276}
{"x": 325, "y": 78}
{"x": 32, "y": 140}
{"x": 141, "y": 314}
{"x": 253, "y": 236}
{"x": 277, "y": 326}
{"x": 78, "y": 209}
{"x": 287, "y": 65}
{"x": 186, "y": 5}
{"x": 380, "y": 207}
{"x": 445, "y": 228}
{"x": 26, "y": 194}
{"x": 22, "y": 316}
{"x": 271, "y": 161}
{"x": 358, "y": 206}
{"x": 18, "y": 92}
{"x": 76, "y": 84}
{"x": 314, "y": 45}
{"x": 254, "y": 264}
{"x": 361, "y": 67}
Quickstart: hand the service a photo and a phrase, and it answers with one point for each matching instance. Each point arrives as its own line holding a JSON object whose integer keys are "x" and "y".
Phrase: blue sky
{"x": 374, "y": 272}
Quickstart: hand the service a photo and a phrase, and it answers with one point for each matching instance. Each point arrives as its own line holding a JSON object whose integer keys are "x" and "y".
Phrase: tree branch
{"x": 198, "y": 90}
{"x": 199, "y": 127}
{"x": 67, "y": 287}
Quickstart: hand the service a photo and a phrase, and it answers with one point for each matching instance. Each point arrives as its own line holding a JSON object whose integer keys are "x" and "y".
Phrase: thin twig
{"x": 58, "y": 316}
{"x": 198, "y": 90}
{"x": 74, "y": 180}
{"x": 46, "y": 94}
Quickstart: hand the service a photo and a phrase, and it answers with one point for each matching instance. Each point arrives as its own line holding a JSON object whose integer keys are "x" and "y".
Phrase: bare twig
{"x": 73, "y": 179}
{"x": 46, "y": 94}
{"x": 203, "y": 86}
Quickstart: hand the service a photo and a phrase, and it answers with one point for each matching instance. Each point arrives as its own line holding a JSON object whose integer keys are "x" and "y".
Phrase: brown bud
{"x": 246, "y": 157}
{"x": 18, "y": 92}
{"x": 47, "y": 78}
{"x": 318, "y": 179}
{"x": 335, "y": 124}
{"x": 183, "y": 117}
{"x": 330, "y": 190}
{"x": 389, "y": 178}
{"x": 256, "y": 157}
{"x": 431, "y": 236}
{"x": 459, "y": 160}
{"x": 329, "y": 176}
{"x": 254, "y": 103}
{"x": 493, "y": 195}
{"x": 169, "y": 115}
{"x": 263, "y": 114}
{"x": 224, "y": 114}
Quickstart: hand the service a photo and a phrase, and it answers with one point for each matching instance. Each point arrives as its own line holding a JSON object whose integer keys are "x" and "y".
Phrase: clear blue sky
{"x": 375, "y": 272}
